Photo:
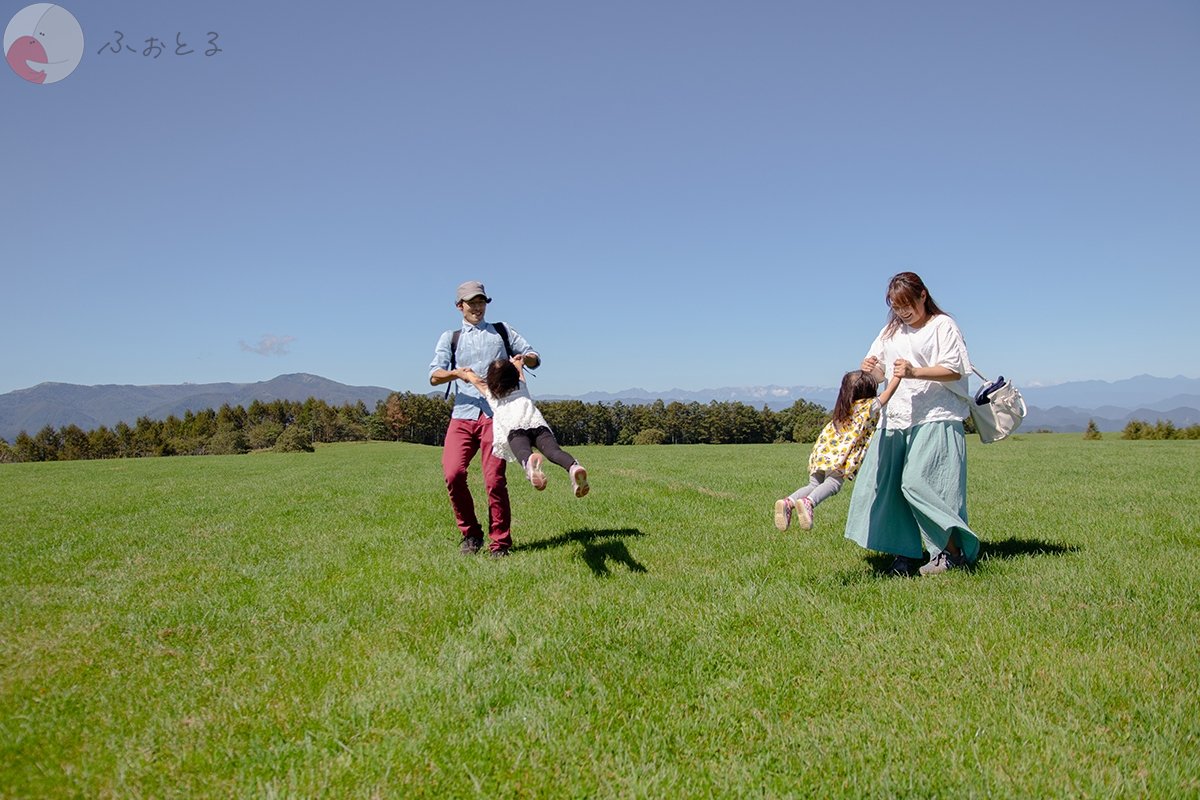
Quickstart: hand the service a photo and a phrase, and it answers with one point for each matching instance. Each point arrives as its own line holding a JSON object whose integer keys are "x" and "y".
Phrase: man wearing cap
{"x": 470, "y": 431}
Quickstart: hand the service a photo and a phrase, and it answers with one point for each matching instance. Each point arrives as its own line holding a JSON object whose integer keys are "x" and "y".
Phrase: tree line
{"x": 1162, "y": 429}
{"x": 286, "y": 425}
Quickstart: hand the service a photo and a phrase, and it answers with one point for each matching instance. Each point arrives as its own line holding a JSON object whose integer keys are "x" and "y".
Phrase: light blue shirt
{"x": 478, "y": 347}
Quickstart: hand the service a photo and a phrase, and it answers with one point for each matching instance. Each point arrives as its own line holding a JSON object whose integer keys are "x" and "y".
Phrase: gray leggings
{"x": 522, "y": 442}
{"x": 821, "y": 486}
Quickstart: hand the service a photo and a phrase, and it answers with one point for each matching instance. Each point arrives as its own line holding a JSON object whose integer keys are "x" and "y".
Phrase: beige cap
{"x": 471, "y": 289}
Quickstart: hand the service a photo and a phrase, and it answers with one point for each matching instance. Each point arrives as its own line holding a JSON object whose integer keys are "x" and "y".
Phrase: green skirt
{"x": 912, "y": 486}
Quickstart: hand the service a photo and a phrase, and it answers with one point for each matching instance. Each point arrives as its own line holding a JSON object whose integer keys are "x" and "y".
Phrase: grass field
{"x": 280, "y": 625}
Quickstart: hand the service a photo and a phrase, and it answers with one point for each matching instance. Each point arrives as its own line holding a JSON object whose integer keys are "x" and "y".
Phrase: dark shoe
{"x": 470, "y": 545}
{"x": 498, "y": 553}
{"x": 943, "y": 562}
{"x": 904, "y": 566}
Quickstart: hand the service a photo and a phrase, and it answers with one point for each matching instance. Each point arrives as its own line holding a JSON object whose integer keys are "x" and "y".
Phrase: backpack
{"x": 500, "y": 329}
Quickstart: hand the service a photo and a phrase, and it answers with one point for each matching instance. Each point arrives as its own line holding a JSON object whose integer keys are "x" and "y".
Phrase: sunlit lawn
{"x": 303, "y": 625}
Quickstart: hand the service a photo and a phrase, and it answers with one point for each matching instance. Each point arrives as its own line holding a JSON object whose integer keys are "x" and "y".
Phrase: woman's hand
{"x": 904, "y": 368}
{"x": 871, "y": 366}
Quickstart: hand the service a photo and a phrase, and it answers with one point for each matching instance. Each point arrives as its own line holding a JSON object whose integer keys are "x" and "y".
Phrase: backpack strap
{"x": 503, "y": 331}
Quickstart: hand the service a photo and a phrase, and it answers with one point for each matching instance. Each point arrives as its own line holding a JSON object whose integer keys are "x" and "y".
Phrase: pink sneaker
{"x": 783, "y": 513}
{"x": 533, "y": 471}
{"x": 804, "y": 509}
{"x": 579, "y": 483}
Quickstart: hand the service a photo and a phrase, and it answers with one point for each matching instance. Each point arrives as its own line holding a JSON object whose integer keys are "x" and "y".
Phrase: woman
{"x": 913, "y": 482}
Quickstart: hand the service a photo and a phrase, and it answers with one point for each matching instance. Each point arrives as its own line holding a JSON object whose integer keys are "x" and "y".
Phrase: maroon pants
{"x": 464, "y": 438}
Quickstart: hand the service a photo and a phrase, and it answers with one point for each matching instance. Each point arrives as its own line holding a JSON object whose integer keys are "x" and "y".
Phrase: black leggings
{"x": 523, "y": 441}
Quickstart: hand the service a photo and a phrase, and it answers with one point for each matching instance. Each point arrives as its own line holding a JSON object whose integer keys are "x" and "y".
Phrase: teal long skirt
{"x": 913, "y": 486}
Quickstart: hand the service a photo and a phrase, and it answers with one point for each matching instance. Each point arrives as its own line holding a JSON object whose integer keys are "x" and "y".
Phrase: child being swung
{"x": 518, "y": 426}
{"x": 839, "y": 449}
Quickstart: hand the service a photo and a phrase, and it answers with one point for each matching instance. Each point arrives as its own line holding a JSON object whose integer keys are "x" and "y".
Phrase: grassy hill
{"x": 303, "y": 625}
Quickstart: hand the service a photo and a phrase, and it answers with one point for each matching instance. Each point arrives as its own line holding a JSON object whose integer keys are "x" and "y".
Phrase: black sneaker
{"x": 470, "y": 545}
{"x": 904, "y": 566}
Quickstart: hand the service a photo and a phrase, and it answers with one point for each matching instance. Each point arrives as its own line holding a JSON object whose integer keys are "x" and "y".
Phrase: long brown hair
{"x": 905, "y": 289}
{"x": 502, "y": 377}
{"x": 856, "y": 385}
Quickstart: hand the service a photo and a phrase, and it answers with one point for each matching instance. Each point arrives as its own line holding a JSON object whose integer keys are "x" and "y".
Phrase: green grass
{"x": 303, "y": 625}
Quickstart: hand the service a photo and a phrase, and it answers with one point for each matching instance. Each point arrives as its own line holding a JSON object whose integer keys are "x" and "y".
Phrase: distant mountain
{"x": 89, "y": 407}
{"x": 1141, "y": 391}
{"x": 1065, "y": 407}
{"x": 1061, "y": 419}
{"x": 774, "y": 397}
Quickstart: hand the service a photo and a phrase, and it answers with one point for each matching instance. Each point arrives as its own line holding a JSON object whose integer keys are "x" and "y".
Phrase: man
{"x": 470, "y": 431}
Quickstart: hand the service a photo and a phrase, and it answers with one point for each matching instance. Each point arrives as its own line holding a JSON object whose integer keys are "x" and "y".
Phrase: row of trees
{"x": 1139, "y": 429}
{"x": 407, "y": 417}
{"x": 1162, "y": 429}
{"x": 422, "y": 419}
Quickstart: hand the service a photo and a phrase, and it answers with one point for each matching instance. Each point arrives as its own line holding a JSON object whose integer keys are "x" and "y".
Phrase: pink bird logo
{"x": 43, "y": 43}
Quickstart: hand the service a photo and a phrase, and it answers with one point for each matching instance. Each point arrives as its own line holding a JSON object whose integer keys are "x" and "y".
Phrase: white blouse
{"x": 939, "y": 343}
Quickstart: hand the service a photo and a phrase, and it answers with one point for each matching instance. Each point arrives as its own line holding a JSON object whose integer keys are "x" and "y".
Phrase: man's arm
{"x": 468, "y": 374}
{"x": 438, "y": 368}
{"x": 440, "y": 376}
{"x": 520, "y": 347}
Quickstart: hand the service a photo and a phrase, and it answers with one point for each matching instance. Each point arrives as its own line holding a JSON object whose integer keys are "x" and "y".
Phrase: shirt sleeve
{"x": 441, "y": 353}
{"x": 517, "y": 342}
{"x": 951, "y": 349}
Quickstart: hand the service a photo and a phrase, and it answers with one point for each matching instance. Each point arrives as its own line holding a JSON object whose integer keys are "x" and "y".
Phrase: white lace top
{"x": 513, "y": 412}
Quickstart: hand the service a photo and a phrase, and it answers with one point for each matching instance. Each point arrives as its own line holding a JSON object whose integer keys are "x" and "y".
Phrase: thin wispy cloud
{"x": 269, "y": 345}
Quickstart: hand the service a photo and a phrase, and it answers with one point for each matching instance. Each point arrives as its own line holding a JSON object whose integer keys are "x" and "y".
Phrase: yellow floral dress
{"x": 843, "y": 450}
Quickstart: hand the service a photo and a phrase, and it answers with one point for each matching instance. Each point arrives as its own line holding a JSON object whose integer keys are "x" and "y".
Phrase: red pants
{"x": 464, "y": 438}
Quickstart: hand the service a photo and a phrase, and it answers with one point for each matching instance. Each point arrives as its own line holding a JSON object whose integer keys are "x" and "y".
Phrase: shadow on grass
{"x": 600, "y": 547}
{"x": 881, "y": 563}
{"x": 1015, "y": 548}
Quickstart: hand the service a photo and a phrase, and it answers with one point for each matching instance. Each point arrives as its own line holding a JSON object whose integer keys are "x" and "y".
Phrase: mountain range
{"x": 89, "y": 407}
{"x": 1065, "y": 407}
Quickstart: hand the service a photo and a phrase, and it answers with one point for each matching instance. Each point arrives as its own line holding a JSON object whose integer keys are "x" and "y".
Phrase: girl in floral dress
{"x": 839, "y": 449}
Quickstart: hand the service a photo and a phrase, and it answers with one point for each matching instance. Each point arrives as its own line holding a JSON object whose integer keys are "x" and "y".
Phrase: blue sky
{"x": 657, "y": 194}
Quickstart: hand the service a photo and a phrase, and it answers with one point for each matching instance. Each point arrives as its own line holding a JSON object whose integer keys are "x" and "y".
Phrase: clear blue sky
{"x": 657, "y": 193}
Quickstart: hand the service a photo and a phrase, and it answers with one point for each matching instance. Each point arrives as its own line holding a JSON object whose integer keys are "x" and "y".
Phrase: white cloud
{"x": 269, "y": 345}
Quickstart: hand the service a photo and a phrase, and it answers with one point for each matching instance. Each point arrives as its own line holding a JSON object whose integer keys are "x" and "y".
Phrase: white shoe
{"x": 579, "y": 482}
{"x": 533, "y": 471}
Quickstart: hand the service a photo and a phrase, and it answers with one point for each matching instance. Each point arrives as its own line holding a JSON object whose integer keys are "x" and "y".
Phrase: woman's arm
{"x": 905, "y": 369}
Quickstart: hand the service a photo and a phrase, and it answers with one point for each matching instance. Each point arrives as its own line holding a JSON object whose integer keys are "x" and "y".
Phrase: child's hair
{"x": 856, "y": 385}
{"x": 502, "y": 377}
{"x": 905, "y": 289}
